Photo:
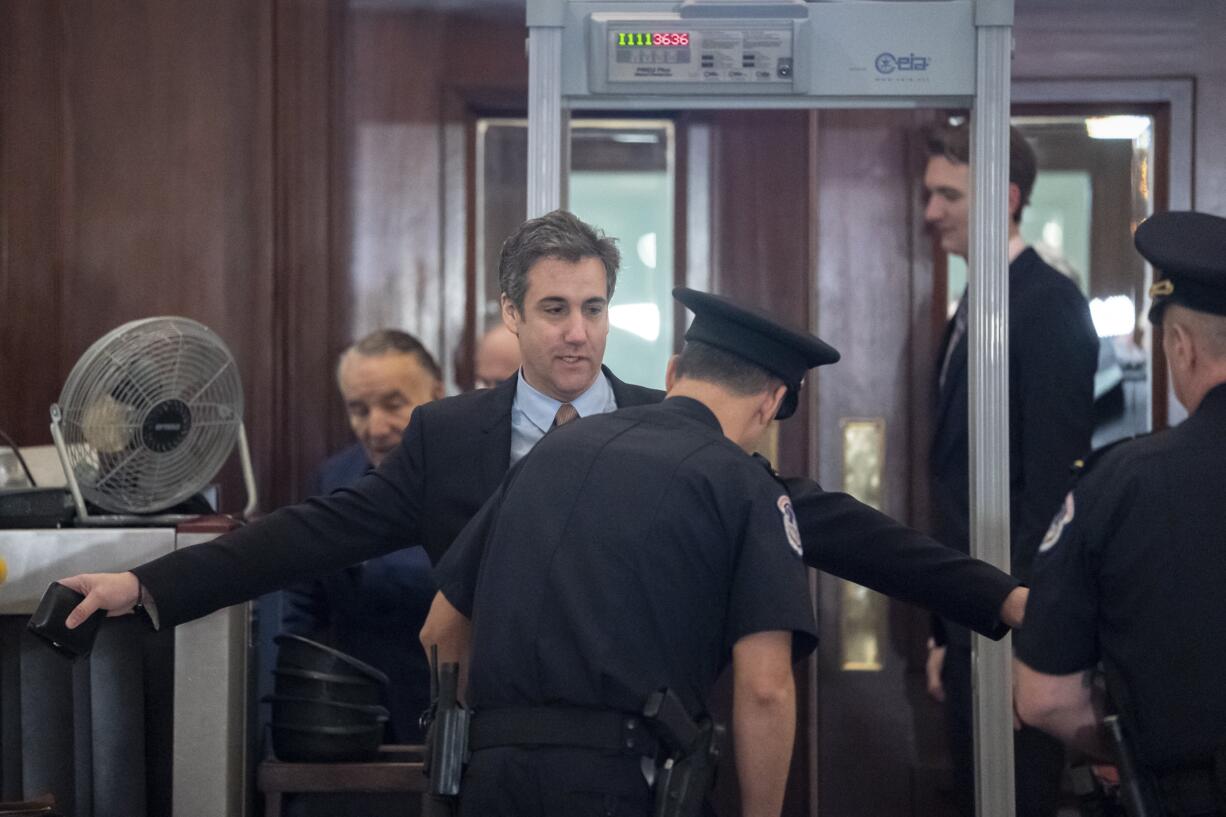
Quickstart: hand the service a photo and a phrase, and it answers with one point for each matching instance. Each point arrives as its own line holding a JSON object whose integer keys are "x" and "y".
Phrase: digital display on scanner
{"x": 664, "y": 39}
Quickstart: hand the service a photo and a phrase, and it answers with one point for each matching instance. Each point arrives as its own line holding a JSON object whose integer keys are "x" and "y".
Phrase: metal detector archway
{"x": 644, "y": 54}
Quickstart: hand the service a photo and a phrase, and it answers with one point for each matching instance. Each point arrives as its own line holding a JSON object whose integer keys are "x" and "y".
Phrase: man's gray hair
{"x": 391, "y": 342}
{"x": 555, "y": 235}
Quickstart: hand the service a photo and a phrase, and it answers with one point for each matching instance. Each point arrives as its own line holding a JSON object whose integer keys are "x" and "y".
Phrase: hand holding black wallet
{"x": 48, "y": 622}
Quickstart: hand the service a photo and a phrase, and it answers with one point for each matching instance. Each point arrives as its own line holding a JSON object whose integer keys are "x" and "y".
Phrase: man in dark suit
{"x": 1053, "y": 352}
{"x": 365, "y": 609}
{"x": 556, "y": 274}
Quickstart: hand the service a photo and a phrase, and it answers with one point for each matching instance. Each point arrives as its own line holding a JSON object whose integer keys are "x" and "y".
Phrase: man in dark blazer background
{"x": 365, "y": 609}
{"x": 1053, "y": 352}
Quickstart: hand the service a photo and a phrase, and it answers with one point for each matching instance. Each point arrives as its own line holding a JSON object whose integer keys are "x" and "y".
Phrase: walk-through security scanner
{"x": 729, "y": 54}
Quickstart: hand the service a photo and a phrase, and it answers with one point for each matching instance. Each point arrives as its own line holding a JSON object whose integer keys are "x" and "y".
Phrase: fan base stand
{"x": 164, "y": 520}
{"x": 85, "y": 519}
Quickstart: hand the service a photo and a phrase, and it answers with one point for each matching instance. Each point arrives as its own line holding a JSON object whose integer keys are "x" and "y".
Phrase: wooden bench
{"x": 398, "y": 769}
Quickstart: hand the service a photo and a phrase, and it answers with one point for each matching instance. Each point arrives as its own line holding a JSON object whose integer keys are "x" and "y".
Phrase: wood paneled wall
{"x": 1137, "y": 39}
{"x": 282, "y": 171}
{"x": 286, "y": 171}
{"x": 136, "y": 152}
{"x": 761, "y": 253}
{"x": 416, "y": 81}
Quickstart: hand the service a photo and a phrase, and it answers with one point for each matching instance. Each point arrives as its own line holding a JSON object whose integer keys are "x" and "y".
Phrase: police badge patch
{"x": 789, "y": 523}
{"x": 1057, "y": 525}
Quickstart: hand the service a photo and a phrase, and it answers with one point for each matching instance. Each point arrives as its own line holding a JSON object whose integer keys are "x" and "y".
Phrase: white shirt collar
{"x": 540, "y": 408}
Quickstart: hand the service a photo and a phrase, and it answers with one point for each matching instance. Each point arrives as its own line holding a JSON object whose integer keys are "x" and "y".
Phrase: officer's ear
{"x": 769, "y": 406}
{"x": 670, "y": 373}
{"x": 1178, "y": 343}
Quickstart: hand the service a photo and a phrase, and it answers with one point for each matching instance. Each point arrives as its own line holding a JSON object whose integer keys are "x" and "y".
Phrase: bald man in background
{"x": 367, "y": 608}
{"x": 497, "y": 357}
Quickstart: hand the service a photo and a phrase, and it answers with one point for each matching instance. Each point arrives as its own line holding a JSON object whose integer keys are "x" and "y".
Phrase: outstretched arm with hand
{"x": 117, "y": 593}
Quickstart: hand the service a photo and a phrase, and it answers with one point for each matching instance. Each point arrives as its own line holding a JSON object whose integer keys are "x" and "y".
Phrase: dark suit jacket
{"x": 452, "y": 458}
{"x": 340, "y": 470}
{"x": 367, "y": 609}
{"x": 848, "y": 539}
{"x": 1053, "y": 353}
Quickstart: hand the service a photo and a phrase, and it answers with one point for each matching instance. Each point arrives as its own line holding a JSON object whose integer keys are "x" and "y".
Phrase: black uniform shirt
{"x": 625, "y": 553}
{"x": 1133, "y": 573}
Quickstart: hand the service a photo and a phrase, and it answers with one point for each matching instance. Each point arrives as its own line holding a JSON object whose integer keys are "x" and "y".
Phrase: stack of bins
{"x": 326, "y": 704}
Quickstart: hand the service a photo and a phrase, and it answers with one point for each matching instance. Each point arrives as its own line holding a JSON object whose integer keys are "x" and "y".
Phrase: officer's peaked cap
{"x": 1189, "y": 250}
{"x": 749, "y": 334}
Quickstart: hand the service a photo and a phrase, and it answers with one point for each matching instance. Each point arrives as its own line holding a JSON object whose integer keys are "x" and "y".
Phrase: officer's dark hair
{"x": 555, "y": 235}
{"x": 702, "y": 361}
{"x": 953, "y": 143}
{"x": 392, "y": 342}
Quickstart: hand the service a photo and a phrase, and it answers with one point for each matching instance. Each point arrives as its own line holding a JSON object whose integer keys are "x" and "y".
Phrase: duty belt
{"x": 560, "y": 726}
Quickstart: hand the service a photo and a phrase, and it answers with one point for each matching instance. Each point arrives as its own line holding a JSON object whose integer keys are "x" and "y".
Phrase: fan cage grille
{"x": 106, "y": 407}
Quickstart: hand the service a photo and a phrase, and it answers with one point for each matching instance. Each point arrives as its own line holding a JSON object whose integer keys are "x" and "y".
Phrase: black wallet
{"x": 48, "y": 622}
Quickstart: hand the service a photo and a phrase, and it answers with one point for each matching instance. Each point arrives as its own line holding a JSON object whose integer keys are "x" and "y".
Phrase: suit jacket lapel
{"x": 947, "y": 413}
{"x": 957, "y": 379}
{"x": 627, "y": 395}
{"x": 620, "y": 392}
{"x": 495, "y": 443}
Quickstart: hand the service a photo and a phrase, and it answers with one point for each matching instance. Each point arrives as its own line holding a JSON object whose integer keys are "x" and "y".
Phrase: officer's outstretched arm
{"x": 1069, "y": 707}
{"x": 763, "y": 718}
{"x": 451, "y": 631}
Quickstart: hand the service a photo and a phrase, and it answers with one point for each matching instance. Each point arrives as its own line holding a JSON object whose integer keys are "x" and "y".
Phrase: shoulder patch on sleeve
{"x": 1063, "y": 517}
{"x": 790, "y": 527}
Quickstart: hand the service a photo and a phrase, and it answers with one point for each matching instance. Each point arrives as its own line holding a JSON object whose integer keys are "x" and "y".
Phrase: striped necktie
{"x": 566, "y": 413}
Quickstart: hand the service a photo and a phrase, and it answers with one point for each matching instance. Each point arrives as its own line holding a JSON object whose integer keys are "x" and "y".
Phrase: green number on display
{"x": 634, "y": 38}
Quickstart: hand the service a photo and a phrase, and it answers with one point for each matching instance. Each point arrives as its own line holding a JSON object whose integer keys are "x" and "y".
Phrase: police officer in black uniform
{"x": 631, "y": 553}
{"x": 1132, "y": 572}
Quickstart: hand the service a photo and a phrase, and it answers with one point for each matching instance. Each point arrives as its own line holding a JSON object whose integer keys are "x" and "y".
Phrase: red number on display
{"x": 665, "y": 38}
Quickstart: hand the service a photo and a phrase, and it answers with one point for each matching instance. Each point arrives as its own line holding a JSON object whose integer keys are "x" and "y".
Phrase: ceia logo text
{"x": 888, "y": 63}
